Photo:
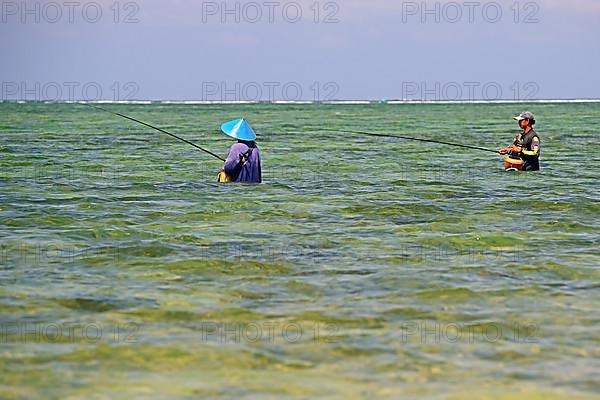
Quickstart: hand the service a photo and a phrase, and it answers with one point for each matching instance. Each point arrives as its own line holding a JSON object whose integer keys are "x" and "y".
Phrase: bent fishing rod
{"x": 408, "y": 138}
{"x": 158, "y": 129}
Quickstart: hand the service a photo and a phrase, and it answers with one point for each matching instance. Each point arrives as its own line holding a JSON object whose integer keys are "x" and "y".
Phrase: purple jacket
{"x": 239, "y": 171}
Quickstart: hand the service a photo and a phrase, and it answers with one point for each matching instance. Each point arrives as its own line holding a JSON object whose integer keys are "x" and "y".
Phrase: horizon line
{"x": 283, "y": 102}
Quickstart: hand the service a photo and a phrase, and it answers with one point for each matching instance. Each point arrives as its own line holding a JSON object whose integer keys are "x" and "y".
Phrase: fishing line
{"x": 408, "y": 138}
{"x": 158, "y": 129}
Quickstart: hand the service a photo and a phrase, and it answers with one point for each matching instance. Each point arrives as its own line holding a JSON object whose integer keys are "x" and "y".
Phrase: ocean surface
{"x": 362, "y": 267}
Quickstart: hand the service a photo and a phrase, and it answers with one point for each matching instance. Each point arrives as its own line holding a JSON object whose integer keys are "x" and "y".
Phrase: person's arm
{"x": 232, "y": 163}
{"x": 536, "y": 148}
{"x": 514, "y": 147}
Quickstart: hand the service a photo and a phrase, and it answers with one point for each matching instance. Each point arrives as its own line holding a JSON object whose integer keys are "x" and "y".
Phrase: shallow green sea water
{"x": 361, "y": 268}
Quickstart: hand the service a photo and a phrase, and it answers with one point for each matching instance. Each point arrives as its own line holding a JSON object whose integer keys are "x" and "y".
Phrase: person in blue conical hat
{"x": 243, "y": 161}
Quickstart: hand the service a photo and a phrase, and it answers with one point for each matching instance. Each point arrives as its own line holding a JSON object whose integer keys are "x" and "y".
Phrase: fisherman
{"x": 526, "y": 145}
{"x": 243, "y": 161}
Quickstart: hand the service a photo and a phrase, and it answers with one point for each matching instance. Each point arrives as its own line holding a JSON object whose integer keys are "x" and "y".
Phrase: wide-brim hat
{"x": 239, "y": 129}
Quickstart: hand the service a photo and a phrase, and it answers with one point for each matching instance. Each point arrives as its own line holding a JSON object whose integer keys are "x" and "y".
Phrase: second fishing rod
{"x": 386, "y": 135}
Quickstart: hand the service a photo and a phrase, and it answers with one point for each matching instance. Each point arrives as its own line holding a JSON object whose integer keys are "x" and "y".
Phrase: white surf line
{"x": 340, "y": 102}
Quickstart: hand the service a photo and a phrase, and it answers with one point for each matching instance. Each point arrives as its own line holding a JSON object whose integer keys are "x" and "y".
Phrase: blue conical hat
{"x": 239, "y": 129}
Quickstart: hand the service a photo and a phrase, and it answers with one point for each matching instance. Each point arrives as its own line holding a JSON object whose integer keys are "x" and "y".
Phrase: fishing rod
{"x": 409, "y": 138}
{"x": 158, "y": 129}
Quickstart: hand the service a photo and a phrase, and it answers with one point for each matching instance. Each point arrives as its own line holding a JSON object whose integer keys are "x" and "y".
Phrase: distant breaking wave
{"x": 306, "y": 101}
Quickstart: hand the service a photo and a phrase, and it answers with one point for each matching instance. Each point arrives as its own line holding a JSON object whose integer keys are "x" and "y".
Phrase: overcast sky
{"x": 307, "y": 49}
